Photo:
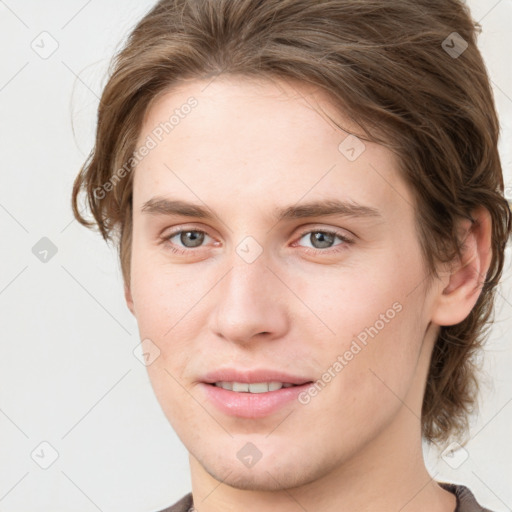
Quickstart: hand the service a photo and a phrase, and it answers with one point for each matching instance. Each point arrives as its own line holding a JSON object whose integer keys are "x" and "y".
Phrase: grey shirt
{"x": 466, "y": 502}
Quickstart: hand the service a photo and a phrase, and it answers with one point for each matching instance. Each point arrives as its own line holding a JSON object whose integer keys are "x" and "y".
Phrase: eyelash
{"x": 346, "y": 241}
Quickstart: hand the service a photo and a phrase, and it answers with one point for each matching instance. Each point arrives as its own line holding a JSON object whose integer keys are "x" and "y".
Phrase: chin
{"x": 264, "y": 475}
{"x": 256, "y": 480}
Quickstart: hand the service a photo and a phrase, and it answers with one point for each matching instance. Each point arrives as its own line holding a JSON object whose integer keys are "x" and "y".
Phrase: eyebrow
{"x": 328, "y": 207}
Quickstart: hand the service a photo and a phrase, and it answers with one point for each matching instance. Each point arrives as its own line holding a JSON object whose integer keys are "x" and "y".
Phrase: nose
{"x": 250, "y": 303}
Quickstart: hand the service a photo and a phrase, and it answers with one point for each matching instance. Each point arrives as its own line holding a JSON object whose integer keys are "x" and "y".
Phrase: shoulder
{"x": 183, "y": 505}
{"x": 466, "y": 502}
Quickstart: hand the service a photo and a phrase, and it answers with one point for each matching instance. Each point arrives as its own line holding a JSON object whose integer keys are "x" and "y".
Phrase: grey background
{"x": 68, "y": 373}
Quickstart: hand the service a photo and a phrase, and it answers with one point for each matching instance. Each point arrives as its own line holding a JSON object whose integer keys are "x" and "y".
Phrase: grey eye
{"x": 190, "y": 239}
{"x": 320, "y": 239}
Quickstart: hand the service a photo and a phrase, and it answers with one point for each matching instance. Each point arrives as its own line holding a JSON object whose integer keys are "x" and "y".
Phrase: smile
{"x": 257, "y": 387}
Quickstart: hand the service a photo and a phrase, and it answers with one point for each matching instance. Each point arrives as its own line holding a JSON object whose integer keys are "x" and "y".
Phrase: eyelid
{"x": 334, "y": 230}
{"x": 343, "y": 233}
{"x": 168, "y": 232}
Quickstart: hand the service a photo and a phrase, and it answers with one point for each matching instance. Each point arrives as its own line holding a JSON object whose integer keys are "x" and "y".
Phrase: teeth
{"x": 257, "y": 387}
{"x": 225, "y": 385}
{"x": 274, "y": 386}
{"x": 240, "y": 386}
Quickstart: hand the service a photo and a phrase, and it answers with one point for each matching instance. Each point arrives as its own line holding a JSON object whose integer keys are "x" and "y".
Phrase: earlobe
{"x": 129, "y": 300}
{"x": 458, "y": 297}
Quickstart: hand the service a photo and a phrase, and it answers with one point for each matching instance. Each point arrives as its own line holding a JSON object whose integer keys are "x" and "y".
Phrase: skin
{"x": 246, "y": 149}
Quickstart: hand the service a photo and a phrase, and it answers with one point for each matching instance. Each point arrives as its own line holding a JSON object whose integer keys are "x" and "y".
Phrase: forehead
{"x": 265, "y": 140}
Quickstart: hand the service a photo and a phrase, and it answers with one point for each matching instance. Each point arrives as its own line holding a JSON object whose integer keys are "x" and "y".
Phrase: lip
{"x": 252, "y": 376}
{"x": 251, "y": 405}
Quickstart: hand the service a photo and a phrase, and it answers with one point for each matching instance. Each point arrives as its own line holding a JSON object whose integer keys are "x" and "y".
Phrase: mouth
{"x": 253, "y": 387}
{"x": 252, "y": 395}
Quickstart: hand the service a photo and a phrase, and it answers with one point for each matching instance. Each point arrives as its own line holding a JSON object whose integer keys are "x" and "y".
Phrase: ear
{"x": 129, "y": 299}
{"x": 462, "y": 287}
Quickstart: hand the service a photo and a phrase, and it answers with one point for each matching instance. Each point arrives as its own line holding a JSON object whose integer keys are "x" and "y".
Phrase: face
{"x": 291, "y": 257}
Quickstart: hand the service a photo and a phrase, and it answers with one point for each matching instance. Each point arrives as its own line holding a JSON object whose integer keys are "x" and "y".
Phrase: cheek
{"x": 162, "y": 294}
{"x": 368, "y": 370}
{"x": 350, "y": 300}
{"x": 167, "y": 300}
{"x": 375, "y": 323}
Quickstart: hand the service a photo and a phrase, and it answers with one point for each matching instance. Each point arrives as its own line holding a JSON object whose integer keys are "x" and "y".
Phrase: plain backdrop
{"x": 80, "y": 428}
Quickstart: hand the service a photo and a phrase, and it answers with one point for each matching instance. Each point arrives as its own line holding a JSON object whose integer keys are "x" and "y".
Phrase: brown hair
{"x": 395, "y": 68}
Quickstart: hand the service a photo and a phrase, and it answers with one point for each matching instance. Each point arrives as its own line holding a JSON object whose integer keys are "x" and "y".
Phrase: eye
{"x": 184, "y": 241}
{"x": 189, "y": 238}
{"x": 324, "y": 239}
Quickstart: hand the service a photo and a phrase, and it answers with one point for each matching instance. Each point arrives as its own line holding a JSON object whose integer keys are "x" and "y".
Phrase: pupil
{"x": 324, "y": 239}
{"x": 194, "y": 236}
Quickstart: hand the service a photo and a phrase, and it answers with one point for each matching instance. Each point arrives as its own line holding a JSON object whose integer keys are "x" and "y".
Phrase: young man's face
{"x": 284, "y": 297}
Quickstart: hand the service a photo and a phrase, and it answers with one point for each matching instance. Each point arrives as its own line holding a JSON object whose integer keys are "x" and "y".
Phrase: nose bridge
{"x": 247, "y": 300}
{"x": 248, "y": 281}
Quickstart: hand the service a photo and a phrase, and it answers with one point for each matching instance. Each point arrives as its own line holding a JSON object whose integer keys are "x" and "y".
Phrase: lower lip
{"x": 251, "y": 405}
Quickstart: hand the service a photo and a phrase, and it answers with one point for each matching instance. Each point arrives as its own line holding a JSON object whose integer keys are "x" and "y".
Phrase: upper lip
{"x": 252, "y": 376}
